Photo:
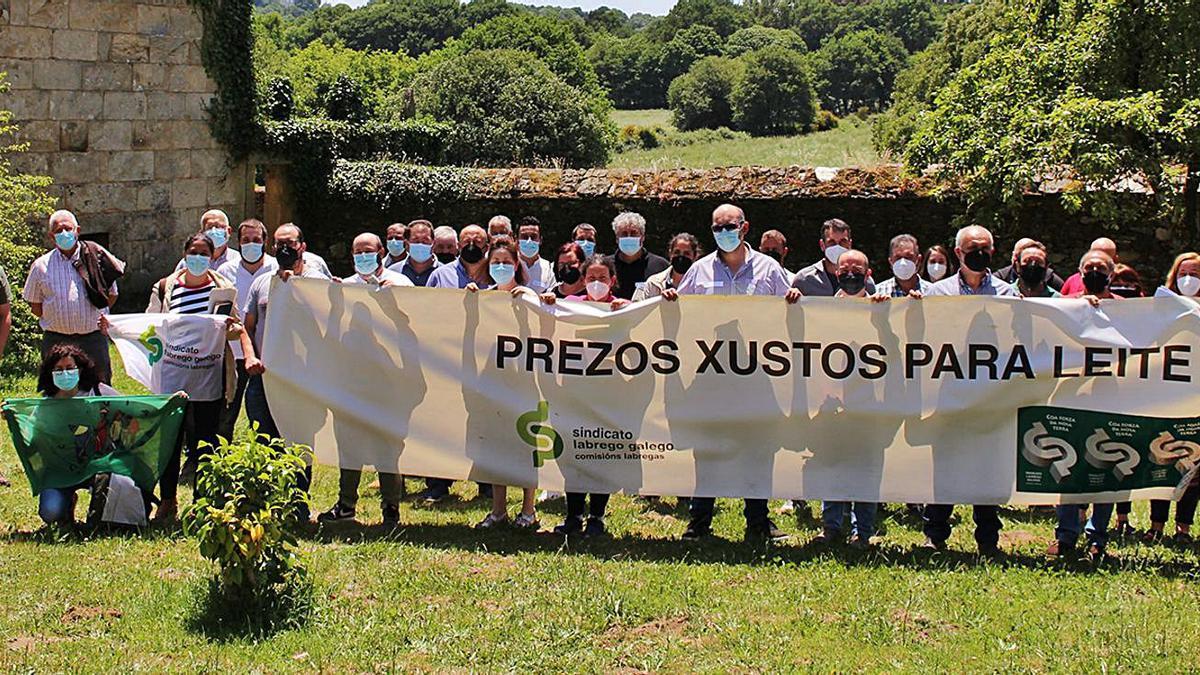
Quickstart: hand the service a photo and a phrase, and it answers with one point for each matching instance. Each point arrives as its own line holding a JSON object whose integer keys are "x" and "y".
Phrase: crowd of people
{"x": 71, "y": 288}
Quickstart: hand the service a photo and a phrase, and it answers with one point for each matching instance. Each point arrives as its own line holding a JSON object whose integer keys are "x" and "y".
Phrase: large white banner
{"x": 172, "y": 352}
{"x": 941, "y": 400}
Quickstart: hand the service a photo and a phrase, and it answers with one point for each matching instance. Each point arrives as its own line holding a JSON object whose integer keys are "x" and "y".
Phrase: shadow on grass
{"x": 220, "y": 615}
{"x": 717, "y": 550}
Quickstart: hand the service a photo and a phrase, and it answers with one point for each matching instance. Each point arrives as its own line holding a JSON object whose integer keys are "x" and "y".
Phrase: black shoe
{"x": 336, "y": 513}
{"x": 1183, "y": 539}
{"x": 765, "y": 532}
{"x": 571, "y": 526}
{"x": 696, "y": 532}
{"x": 827, "y": 536}
{"x": 931, "y": 545}
{"x": 391, "y": 515}
{"x": 992, "y": 551}
{"x": 595, "y": 528}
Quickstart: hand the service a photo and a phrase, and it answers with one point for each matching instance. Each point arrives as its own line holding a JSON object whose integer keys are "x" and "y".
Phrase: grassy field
{"x": 847, "y": 145}
{"x": 435, "y": 595}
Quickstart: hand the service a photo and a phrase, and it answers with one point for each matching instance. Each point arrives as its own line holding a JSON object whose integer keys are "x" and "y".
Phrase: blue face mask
{"x": 252, "y": 252}
{"x": 502, "y": 273}
{"x": 420, "y": 252}
{"x": 529, "y": 247}
{"x": 629, "y": 245}
{"x": 366, "y": 263}
{"x": 65, "y": 240}
{"x": 66, "y": 380}
{"x": 588, "y": 246}
{"x": 728, "y": 240}
{"x": 395, "y": 247}
{"x": 197, "y": 264}
{"x": 219, "y": 236}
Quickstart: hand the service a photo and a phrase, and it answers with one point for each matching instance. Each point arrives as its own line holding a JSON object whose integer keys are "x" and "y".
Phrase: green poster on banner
{"x": 62, "y": 442}
{"x": 1068, "y": 451}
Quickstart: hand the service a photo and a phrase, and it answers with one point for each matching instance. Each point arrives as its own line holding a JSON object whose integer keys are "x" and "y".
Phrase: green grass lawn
{"x": 847, "y": 145}
{"x": 435, "y": 595}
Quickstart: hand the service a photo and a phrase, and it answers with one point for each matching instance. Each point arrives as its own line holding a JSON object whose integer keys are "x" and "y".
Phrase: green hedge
{"x": 327, "y": 141}
{"x": 388, "y": 183}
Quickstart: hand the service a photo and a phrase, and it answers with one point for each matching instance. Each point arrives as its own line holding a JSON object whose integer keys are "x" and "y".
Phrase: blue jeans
{"x": 862, "y": 517}
{"x": 257, "y": 409}
{"x": 57, "y": 505}
{"x": 1096, "y": 529}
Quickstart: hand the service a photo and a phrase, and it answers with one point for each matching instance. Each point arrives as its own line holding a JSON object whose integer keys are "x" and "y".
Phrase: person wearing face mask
{"x": 499, "y": 226}
{"x": 584, "y": 234}
{"x": 254, "y": 263}
{"x": 1012, "y": 272}
{"x": 633, "y": 262}
{"x": 938, "y": 264}
{"x": 1033, "y": 272}
{"x": 503, "y": 272}
{"x": 214, "y": 224}
{"x": 600, "y": 283}
{"x": 974, "y": 247}
{"x": 1126, "y": 282}
{"x": 684, "y": 250}
{"x": 1184, "y": 276}
{"x": 471, "y": 266}
{"x": 904, "y": 257}
{"x": 420, "y": 262}
{"x": 733, "y": 269}
{"x": 568, "y": 269}
{"x": 774, "y": 244}
{"x": 70, "y": 287}
{"x": 1095, "y": 270}
{"x": 820, "y": 278}
{"x": 369, "y": 251}
{"x": 445, "y": 244}
{"x": 1073, "y": 286}
{"x": 529, "y": 241}
{"x": 396, "y": 239}
{"x": 188, "y": 292}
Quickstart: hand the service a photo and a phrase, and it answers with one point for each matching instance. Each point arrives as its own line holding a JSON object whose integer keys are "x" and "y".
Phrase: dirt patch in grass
{"x": 920, "y": 625}
{"x": 1018, "y": 538}
{"x": 24, "y": 643}
{"x": 76, "y": 614}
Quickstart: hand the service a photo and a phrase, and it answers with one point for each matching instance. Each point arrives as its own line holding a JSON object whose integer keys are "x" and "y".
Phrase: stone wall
{"x": 111, "y": 96}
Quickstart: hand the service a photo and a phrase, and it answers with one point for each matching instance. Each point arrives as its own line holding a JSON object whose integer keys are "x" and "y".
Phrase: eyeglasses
{"x": 726, "y": 227}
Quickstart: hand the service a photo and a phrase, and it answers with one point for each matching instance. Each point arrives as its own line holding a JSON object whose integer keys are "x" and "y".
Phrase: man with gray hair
{"x": 499, "y": 226}
{"x": 214, "y": 224}
{"x": 70, "y": 287}
{"x": 1012, "y": 273}
{"x": 904, "y": 257}
{"x": 445, "y": 244}
{"x": 633, "y": 262}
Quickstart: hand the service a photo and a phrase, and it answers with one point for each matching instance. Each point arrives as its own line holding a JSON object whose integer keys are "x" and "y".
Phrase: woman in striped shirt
{"x": 187, "y": 291}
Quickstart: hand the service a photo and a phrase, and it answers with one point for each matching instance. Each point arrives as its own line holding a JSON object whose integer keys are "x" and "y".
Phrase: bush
{"x": 509, "y": 109}
{"x": 825, "y": 121}
{"x": 634, "y": 137}
{"x": 317, "y": 67}
{"x": 754, "y": 38}
{"x": 699, "y": 99}
{"x": 858, "y": 69}
{"x": 280, "y": 101}
{"x": 343, "y": 100}
{"x": 545, "y": 37}
{"x": 775, "y": 96}
{"x": 245, "y": 516}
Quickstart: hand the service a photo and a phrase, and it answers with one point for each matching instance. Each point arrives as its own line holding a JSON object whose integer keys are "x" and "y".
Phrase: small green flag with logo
{"x": 64, "y": 442}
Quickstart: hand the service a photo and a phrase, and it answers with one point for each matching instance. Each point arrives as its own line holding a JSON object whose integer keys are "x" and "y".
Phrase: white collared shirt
{"x": 54, "y": 282}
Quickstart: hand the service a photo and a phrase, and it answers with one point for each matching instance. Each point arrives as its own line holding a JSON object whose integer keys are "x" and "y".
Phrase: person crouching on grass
{"x": 506, "y": 273}
{"x": 600, "y": 279}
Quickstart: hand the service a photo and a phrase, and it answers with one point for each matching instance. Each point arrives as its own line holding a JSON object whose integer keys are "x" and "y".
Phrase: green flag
{"x": 64, "y": 441}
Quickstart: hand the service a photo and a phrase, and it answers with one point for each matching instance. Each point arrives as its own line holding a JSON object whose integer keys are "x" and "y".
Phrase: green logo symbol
{"x": 153, "y": 343}
{"x": 533, "y": 430}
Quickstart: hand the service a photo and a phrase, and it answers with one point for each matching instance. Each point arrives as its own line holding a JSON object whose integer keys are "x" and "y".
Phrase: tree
{"x": 609, "y": 20}
{"x": 677, "y": 56}
{"x": 476, "y": 12}
{"x": 628, "y": 69}
{"x": 858, "y": 69}
{"x": 723, "y": 16}
{"x": 913, "y": 21}
{"x": 315, "y": 68}
{"x": 549, "y": 39}
{"x": 699, "y": 99}
{"x": 756, "y": 37}
{"x": 1100, "y": 93}
{"x": 510, "y": 109}
{"x": 813, "y": 20}
{"x": 410, "y": 26}
{"x": 776, "y": 95}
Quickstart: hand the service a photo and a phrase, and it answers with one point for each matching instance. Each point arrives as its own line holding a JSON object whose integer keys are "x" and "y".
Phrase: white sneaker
{"x": 547, "y": 495}
{"x": 787, "y": 508}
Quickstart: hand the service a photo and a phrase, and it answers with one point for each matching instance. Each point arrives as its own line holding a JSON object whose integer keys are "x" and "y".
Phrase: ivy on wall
{"x": 225, "y": 51}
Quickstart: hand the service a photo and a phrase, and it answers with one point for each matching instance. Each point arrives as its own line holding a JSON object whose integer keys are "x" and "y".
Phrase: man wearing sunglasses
{"x": 733, "y": 269}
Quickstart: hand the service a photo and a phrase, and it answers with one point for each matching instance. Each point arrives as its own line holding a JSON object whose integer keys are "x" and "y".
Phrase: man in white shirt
{"x": 214, "y": 224}
{"x": 529, "y": 241}
{"x": 57, "y": 294}
{"x": 368, "y": 250}
{"x": 253, "y": 263}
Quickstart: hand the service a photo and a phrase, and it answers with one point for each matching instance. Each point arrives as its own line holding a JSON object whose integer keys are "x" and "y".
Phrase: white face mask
{"x": 597, "y": 290}
{"x": 1188, "y": 286}
{"x": 904, "y": 269}
{"x": 937, "y": 270}
{"x": 832, "y": 253}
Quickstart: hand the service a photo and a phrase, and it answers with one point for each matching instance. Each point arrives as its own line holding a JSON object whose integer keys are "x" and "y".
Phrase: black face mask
{"x": 568, "y": 274}
{"x": 774, "y": 254}
{"x": 681, "y": 263}
{"x": 852, "y": 282}
{"x": 1033, "y": 275}
{"x": 978, "y": 260}
{"x": 1095, "y": 281}
{"x": 1125, "y": 291}
{"x": 287, "y": 257}
{"x": 471, "y": 254}
{"x": 446, "y": 258}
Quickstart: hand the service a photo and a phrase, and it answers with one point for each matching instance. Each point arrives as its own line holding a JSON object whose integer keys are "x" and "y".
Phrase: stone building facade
{"x": 111, "y": 97}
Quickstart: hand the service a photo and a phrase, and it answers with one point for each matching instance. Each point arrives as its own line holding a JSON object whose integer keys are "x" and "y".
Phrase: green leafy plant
{"x": 245, "y": 516}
